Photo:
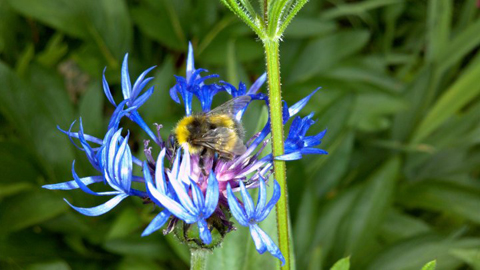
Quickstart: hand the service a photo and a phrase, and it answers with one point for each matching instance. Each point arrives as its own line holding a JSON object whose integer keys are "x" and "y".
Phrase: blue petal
{"x": 320, "y": 135}
{"x": 197, "y": 196}
{"x": 314, "y": 151}
{"x": 176, "y": 163}
{"x": 211, "y": 196}
{"x": 294, "y": 109}
{"x": 73, "y": 184}
{"x": 257, "y": 238}
{"x": 185, "y": 168}
{"x": 291, "y": 156}
{"x": 295, "y": 127}
{"x": 174, "y": 207}
{"x": 140, "y": 83}
{"x": 157, "y": 222}
{"x": 205, "y": 234}
{"x": 101, "y": 209}
{"x": 75, "y": 135}
{"x": 126, "y": 167}
{"x": 276, "y": 195}
{"x": 149, "y": 184}
{"x": 190, "y": 61}
{"x": 106, "y": 89}
{"x": 247, "y": 201}
{"x": 85, "y": 189}
{"x": 117, "y": 115}
{"x": 135, "y": 116}
{"x": 262, "y": 196}
{"x": 182, "y": 194}
{"x": 69, "y": 135}
{"x": 271, "y": 247}
{"x": 126, "y": 84}
{"x": 195, "y": 74}
{"x": 257, "y": 84}
{"x": 235, "y": 207}
{"x": 143, "y": 98}
{"x": 86, "y": 147}
{"x": 110, "y": 160}
{"x": 159, "y": 172}
{"x": 173, "y": 94}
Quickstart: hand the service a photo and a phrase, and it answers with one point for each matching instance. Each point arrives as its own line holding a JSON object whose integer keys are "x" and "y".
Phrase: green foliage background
{"x": 400, "y": 98}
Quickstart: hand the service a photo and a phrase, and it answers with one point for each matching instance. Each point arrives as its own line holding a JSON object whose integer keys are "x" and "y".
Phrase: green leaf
{"x": 30, "y": 208}
{"x": 370, "y": 209}
{"x": 460, "y": 93}
{"x": 105, "y": 23}
{"x": 343, "y": 264}
{"x": 443, "y": 196}
{"x": 371, "y": 109}
{"x": 126, "y": 223}
{"x": 322, "y": 53}
{"x": 462, "y": 44}
{"x": 469, "y": 255}
{"x": 303, "y": 27}
{"x": 56, "y": 49}
{"x": 355, "y": 8}
{"x": 138, "y": 263}
{"x": 413, "y": 253}
{"x": 217, "y": 52}
{"x": 151, "y": 247}
{"x": 330, "y": 217}
{"x": 438, "y": 23}
{"x": 154, "y": 13}
{"x": 430, "y": 266}
{"x": 398, "y": 226}
{"x": 54, "y": 265}
{"x": 14, "y": 188}
{"x": 91, "y": 110}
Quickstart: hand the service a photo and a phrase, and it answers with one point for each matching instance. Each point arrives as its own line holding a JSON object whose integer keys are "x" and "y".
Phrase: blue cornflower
{"x": 131, "y": 95}
{"x": 181, "y": 205}
{"x": 116, "y": 163}
{"x": 248, "y": 215}
{"x": 193, "y": 84}
{"x": 297, "y": 144}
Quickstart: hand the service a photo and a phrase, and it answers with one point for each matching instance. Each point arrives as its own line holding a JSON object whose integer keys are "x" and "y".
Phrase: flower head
{"x": 297, "y": 144}
{"x": 189, "y": 188}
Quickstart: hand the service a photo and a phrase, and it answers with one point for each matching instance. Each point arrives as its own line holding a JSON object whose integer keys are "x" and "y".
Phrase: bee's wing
{"x": 232, "y": 106}
{"x": 220, "y": 139}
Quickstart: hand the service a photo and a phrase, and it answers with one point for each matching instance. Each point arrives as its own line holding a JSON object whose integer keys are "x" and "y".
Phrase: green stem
{"x": 198, "y": 259}
{"x": 276, "y": 118}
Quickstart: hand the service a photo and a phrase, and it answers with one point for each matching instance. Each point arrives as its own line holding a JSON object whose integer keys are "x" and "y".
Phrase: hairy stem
{"x": 198, "y": 259}
{"x": 276, "y": 118}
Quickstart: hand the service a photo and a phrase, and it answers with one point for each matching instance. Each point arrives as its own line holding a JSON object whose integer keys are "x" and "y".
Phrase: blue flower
{"x": 248, "y": 215}
{"x": 179, "y": 203}
{"x": 116, "y": 163}
{"x": 131, "y": 95}
{"x": 193, "y": 84}
{"x": 297, "y": 144}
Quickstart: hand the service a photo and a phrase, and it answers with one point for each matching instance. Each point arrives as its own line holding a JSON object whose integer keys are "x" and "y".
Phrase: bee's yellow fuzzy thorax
{"x": 181, "y": 131}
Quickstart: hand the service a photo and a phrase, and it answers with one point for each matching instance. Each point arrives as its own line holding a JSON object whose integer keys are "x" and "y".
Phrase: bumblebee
{"x": 215, "y": 131}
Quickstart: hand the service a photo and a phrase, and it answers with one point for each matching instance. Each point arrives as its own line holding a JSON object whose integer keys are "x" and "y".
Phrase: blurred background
{"x": 400, "y": 98}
